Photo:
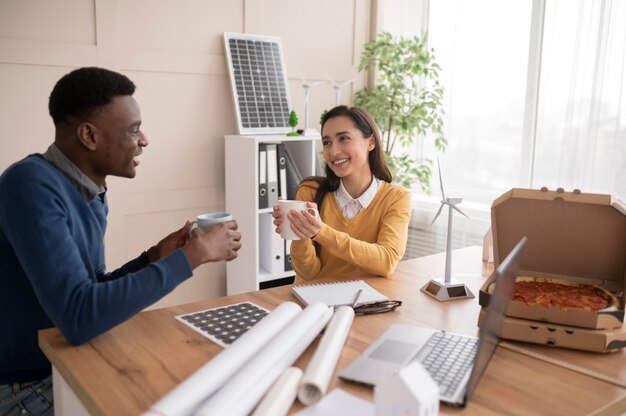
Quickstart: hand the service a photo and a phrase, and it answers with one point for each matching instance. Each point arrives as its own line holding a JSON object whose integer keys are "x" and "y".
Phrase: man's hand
{"x": 216, "y": 243}
{"x": 170, "y": 243}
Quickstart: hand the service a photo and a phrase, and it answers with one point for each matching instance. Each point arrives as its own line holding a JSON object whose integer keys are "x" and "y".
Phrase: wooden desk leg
{"x": 65, "y": 400}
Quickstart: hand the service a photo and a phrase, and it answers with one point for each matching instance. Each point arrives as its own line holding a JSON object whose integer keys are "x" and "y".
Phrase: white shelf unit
{"x": 245, "y": 274}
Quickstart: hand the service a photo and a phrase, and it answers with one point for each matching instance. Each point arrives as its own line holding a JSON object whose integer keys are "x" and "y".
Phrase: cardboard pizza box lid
{"x": 571, "y": 235}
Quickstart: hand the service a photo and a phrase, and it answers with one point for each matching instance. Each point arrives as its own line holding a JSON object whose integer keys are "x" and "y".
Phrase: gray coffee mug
{"x": 208, "y": 219}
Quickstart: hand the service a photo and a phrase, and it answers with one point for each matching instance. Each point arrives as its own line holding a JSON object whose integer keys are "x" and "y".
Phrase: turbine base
{"x": 444, "y": 291}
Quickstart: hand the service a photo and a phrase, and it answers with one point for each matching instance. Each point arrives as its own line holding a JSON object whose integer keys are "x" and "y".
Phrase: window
{"x": 535, "y": 96}
{"x": 575, "y": 136}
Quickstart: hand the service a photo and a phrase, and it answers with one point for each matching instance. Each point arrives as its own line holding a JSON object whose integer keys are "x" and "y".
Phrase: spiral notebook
{"x": 337, "y": 293}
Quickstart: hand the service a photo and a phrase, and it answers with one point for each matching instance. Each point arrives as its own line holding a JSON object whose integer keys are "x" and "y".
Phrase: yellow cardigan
{"x": 373, "y": 241}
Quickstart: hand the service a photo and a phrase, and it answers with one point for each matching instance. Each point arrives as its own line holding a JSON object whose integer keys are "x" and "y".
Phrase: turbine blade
{"x": 346, "y": 82}
{"x": 461, "y": 212}
{"x": 305, "y": 83}
{"x": 332, "y": 81}
{"x": 437, "y": 215}
{"x": 318, "y": 83}
{"x": 440, "y": 179}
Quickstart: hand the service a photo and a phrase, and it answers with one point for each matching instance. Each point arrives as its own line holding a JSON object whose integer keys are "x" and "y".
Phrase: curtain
{"x": 581, "y": 120}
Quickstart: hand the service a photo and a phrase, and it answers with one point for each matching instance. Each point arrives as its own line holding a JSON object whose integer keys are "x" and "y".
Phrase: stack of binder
{"x": 268, "y": 176}
{"x": 278, "y": 176}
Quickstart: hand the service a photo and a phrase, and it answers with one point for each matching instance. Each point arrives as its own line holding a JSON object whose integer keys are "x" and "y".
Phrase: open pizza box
{"x": 573, "y": 238}
{"x": 555, "y": 335}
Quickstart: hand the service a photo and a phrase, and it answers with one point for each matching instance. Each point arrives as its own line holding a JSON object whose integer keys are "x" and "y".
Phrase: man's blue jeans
{"x": 32, "y": 398}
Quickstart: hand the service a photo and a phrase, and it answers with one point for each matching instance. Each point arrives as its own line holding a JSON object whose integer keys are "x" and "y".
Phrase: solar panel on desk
{"x": 259, "y": 83}
{"x": 224, "y": 325}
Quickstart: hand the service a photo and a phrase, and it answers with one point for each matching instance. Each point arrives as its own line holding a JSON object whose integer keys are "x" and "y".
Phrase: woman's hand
{"x": 278, "y": 218}
{"x": 305, "y": 223}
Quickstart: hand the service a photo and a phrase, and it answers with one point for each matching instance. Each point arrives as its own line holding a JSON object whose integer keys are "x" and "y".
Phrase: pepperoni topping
{"x": 557, "y": 295}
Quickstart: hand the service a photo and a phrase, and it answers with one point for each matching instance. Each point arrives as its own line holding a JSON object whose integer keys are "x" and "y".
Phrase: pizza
{"x": 566, "y": 295}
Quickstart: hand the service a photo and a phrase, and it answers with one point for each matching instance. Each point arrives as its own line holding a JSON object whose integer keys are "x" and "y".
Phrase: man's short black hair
{"x": 85, "y": 90}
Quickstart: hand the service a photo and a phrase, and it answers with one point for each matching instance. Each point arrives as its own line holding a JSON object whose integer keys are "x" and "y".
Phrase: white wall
{"x": 173, "y": 51}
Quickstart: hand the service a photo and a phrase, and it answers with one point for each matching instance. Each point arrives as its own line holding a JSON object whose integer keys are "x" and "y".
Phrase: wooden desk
{"x": 125, "y": 370}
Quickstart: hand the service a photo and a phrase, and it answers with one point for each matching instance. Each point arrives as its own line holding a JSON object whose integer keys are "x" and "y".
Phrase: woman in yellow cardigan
{"x": 363, "y": 221}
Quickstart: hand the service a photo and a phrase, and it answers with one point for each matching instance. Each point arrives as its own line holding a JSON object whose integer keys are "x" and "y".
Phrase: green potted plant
{"x": 406, "y": 102}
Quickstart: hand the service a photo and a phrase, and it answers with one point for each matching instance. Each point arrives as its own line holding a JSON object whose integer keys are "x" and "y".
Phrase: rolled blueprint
{"x": 244, "y": 390}
{"x": 279, "y": 399}
{"x": 187, "y": 396}
{"x": 318, "y": 372}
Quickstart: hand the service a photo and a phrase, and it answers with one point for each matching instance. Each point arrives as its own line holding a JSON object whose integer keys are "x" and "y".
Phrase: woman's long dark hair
{"x": 366, "y": 124}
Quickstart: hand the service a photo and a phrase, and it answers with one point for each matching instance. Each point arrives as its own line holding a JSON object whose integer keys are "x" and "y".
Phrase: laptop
{"x": 456, "y": 362}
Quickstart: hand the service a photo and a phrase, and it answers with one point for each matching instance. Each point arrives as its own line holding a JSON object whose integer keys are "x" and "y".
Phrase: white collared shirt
{"x": 350, "y": 206}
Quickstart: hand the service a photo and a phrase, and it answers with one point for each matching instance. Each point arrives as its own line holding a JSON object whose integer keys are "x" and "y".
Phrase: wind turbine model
{"x": 447, "y": 288}
{"x": 307, "y": 86}
{"x": 338, "y": 88}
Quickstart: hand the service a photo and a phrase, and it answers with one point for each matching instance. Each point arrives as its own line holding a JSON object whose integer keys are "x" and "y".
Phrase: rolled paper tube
{"x": 320, "y": 369}
{"x": 279, "y": 399}
{"x": 246, "y": 388}
{"x": 188, "y": 396}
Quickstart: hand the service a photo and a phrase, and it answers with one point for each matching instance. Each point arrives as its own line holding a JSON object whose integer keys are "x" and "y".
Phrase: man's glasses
{"x": 377, "y": 307}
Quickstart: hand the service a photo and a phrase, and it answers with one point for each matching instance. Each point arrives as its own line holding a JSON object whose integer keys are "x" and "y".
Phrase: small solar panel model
{"x": 259, "y": 83}
{"x": 224, "y": 325}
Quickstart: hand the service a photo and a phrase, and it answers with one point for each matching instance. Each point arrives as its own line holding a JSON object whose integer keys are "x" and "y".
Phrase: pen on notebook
{"x": 356, "y": 298}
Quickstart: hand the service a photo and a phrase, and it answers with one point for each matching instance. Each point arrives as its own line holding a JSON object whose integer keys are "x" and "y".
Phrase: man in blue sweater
{"x": 53, "y": 216}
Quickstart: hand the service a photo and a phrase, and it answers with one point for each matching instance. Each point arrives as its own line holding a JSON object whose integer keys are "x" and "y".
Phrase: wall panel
{"x": 190, "y": 26}
{"x": 173, "y": 51}
{"x": 67, "y": 21}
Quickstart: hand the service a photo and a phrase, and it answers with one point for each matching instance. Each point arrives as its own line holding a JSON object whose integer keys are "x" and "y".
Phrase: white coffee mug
{"x": 286, "y": 206}
{"x": 208, "y": 219}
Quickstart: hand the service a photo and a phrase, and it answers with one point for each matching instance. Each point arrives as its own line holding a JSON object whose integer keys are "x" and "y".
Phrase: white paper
{"x": 188, "y": 395}
{"x": 339, "y": 403}
{"x": 318, "y": 372}
{"x": 242, "y": 392}
{"x": 281, "y": 396}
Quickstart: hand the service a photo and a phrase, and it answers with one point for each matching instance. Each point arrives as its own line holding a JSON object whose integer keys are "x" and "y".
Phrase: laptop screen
{"x": 494, "y": 319}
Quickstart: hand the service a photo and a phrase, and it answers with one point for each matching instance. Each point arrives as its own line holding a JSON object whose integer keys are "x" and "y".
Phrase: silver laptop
{"x": 456, "y": 362}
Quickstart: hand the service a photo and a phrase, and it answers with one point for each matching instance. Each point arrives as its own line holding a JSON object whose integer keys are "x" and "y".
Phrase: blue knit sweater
{"x": 52, "y": 270}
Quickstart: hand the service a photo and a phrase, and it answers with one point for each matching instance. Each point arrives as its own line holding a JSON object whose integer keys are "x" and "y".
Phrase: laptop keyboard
{"x": 448, "y": 360}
